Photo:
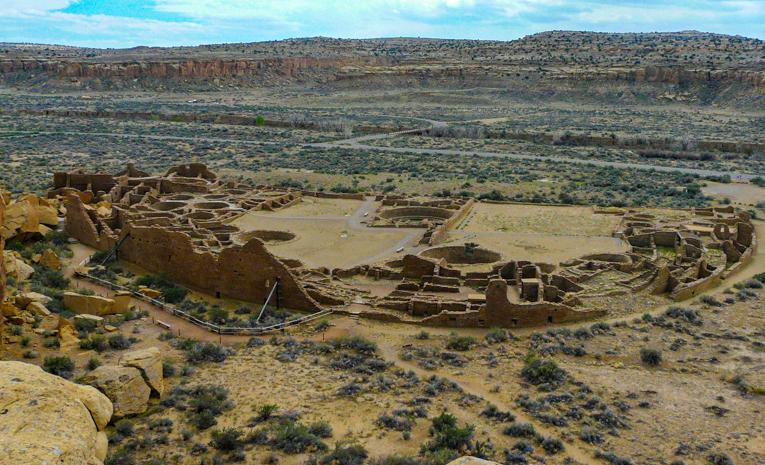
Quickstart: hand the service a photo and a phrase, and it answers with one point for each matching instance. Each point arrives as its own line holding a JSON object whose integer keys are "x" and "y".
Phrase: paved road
{"x": 351, "y": 144}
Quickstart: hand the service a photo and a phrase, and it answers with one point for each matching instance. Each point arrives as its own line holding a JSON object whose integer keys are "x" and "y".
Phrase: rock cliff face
{"x": 669, "y": 58}
{"x": 46, "y": 419}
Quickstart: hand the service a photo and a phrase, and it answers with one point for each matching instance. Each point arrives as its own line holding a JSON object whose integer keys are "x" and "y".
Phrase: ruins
{"x": 188, "y": 224}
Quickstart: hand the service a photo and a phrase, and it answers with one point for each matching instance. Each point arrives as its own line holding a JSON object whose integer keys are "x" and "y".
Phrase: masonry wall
{"x": 245, "y": 272}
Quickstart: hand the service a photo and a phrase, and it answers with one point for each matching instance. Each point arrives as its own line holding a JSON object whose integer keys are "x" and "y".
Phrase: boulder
{"x": 25, "y": 298}
{"x": 149, "y": 362}
{"x": 122, "y": 301}
{"x": 96, "y": 320}
{"x": 67, "y": 334}
{"x": 469, "y": 460}
{"x": 15, "y": 267}
{"x": 46, "y": 213}
{"x": 151, "y": 293}
{"x": 20, "y": 220}
{"x": 47, "y": 419}
{"x": 90, "y": 304}
{"x": 49, "y": 259}
{"x": 124, "y": 386}
{"x": 8, "y": 310}
{"x": 36, "y": 308}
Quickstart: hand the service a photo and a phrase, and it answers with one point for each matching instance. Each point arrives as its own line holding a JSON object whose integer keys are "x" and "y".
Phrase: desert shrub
{"x": 520, "y": 430}
{"x": 497, "y": 335}
{"x": 447, "y": 435}
{"x": 217, "y": 315}
{"x": 395, "y": 459}
{"x": 492, "y": 411}
{"x": 320, "y": 429}
{"x": 345, "y": 454}
{"x": 83, "y": 325}
{"x": 422, "y": 335}
{"x": 720, "y": 459}
{"x": 257, "y": 436}
{"x": 395, "y": 422}
{"x": 612, "y": 458}
{"x": 168, "y": 369}
{"x": 590, "y": 436}
{"x": 687, "y": 314}
{"x": 93, "y": 363}
{"x": 227, "y": 439}
{"x": 30, "y": 354}
{"x": 266, "y": 411}
{"x": 174, "y": 294}
{"x": 97, "y": 342}
{"x": 124, "y": 428}
{"x": 119, "y": 342}
{"x": 120, "y": 457}
{"x": 536, "y": 371}
{"x": 255, "y": 341}
{"x": 59, "y": 365}
{"x": 553, "y": 445}
{"x": 207, "y": 352}
{"x": 709, "y": 300}
{"x": 357, "y": 343}
{"x": 651, "y": 357}
{"x": 460, "y": 343}
{"x": 203, "y": 420}
{"x": 47, "y": 277}
{"x": 294, "y": 438}
{"x": 323, "y": 325}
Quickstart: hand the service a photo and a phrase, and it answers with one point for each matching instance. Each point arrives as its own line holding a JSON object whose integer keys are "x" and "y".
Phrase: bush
{"x": 294, "y": 438}
{"x": 651, "y": 357}
{"x": 323, "y": 325}
{"x": 354, "y": 454}
{"x": 422, "y": 335}
{"x": 227, "y": 439}
{"x": 59, "y": 365}
{"x": 255, "y": 341}
{"x": 520, "y": 430}
{"x": 217, "y": 315}
{"x": 119, "y": 342}
{"x": 709, "y": 300}
{"x": 552, "y": 445}
{"x": 538, "y": 372}
{"x": 124, "y": 428}
{"x": 320, "y": 429}
{"x": 612, "y": 458}
{"x": 208, "y": 352}
{"x": 93, "y": 363}
{"x": 357, "y": 343}
{"x": 460, "y": 343}
{"x": 590, "y": 436}
{"x": 96, "y": 342}
{"x": 497, "y": 335}
{"x": 175, "y": 294}
{"x": 203, "y": 420}
{"x": 448, "y": 435}
{"x": 265, "y": 411}
{"x": 168, "y": 369}
{"x": 720, "y": 459}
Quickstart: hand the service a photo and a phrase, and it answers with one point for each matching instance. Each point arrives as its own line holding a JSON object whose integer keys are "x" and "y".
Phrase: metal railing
{"x": 172, "y": 309}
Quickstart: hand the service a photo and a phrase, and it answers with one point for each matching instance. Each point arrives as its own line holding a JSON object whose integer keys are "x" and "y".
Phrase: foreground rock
{"x": 94, "y": 305}
{"x": 48, "y": 420}
{"x": 470, "y": 460}
{"x": 149, "y": 363}
{"x": 124, "y": 386}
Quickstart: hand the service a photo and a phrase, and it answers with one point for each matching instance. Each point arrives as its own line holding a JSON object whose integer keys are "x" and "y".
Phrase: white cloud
{"x": 11, "y": 8}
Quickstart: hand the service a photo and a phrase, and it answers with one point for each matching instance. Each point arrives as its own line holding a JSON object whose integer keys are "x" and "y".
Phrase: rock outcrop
{"x": 470, "y": 460}
{"x": 95, "y": 305}
{"x": 124, "y": 386}
{"x": 28, "y": 217}
{"x": 47, "y": 420}
{"x": 149, "y": 363}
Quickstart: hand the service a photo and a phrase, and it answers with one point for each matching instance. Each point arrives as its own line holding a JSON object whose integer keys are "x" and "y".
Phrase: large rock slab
{"x": 15, "y": 267}
{"x": 48, "y": 420}
{"x": 90, "y": 304}
{"x": 149, "y": 362}
{"x": 124, "y": 386}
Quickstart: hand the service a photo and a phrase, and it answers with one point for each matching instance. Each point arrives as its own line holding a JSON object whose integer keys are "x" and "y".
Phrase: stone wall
{"x": 246, "y": 272}
{"x": 440, "y": 232}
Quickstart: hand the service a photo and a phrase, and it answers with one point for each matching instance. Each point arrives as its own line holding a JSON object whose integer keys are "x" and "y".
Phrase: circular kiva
{"x": 265, "y": 236}
{"x": 168, "y": 205}
{"x": 462, "y": 255}
{"x": 211, "y": 205}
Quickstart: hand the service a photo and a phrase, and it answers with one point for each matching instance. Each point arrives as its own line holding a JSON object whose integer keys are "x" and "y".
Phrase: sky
{"x": 129, "y": 23}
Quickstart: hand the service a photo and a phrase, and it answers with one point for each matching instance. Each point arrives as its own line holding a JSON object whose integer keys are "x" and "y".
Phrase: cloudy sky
{"x": 127, "y": 23}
